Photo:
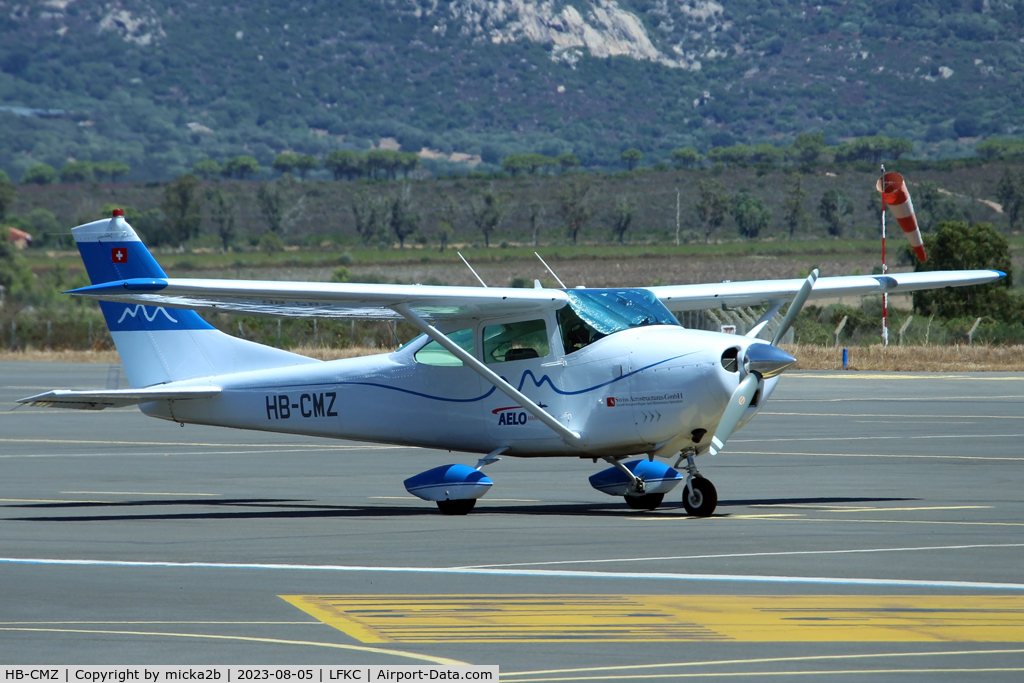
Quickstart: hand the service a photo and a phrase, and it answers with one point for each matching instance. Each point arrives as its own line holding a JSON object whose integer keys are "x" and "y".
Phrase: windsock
{"x": 895, "y": 194}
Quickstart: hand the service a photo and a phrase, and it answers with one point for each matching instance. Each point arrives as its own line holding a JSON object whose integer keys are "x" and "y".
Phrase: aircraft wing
{"x": 115, "y": 398}
{"x": 327, "y": 300}
{"x": 731, "y": 294}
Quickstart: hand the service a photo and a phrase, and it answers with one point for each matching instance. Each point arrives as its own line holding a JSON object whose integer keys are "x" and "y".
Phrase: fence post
{"x": 14, "y": 337}
{"x": 970, "y": 335}
{"x": 90, "y": 334}
{"x": 904, "y": 326}
{"x": 278, "y": 333}
{"x": 316, "y": 332}
{"x": 352, "y": 333}
{"x": 839, "y": 329}
{"x": 49, "y": 335}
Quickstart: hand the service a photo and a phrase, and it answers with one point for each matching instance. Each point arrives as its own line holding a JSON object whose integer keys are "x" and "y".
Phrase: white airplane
{"x": 602, "y": 374}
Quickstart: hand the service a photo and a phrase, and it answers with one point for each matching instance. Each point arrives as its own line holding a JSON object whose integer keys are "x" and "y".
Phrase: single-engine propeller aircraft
{"x": 582, "y": 373}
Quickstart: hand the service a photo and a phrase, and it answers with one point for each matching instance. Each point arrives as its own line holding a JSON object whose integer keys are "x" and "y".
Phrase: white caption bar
{"x": 244, "y": 673}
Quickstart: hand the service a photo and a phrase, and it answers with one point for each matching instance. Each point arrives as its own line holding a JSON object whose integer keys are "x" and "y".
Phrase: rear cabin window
{"x": 516, "y": 341}
{"x": 435, "y": 354}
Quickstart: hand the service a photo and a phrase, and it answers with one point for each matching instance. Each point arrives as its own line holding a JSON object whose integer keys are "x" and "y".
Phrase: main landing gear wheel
{"x": 648, "y": 501}
{"x": 700, "y": 499}
{"x": 456, "y": 507}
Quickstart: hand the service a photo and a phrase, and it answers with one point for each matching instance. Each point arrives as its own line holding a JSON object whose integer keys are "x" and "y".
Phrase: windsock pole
{"x": 885, "y": 269}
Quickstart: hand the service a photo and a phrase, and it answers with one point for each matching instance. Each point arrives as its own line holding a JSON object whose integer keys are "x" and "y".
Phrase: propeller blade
{"x": 795, "y": 307}
{"x": 738, "y": 403}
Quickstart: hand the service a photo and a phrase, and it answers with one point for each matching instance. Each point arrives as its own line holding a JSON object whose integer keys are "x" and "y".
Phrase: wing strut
{"x": 571, "y": 437}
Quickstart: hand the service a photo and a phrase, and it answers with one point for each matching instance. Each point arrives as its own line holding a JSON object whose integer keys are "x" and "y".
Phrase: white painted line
{"x": 140, "y": 493}
{"x": 771, "y": 554}
{"x": 535, "y": 573}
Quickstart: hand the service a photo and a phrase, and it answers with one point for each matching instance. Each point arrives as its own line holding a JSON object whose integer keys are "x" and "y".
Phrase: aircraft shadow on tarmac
{"x": 270, "y": 508}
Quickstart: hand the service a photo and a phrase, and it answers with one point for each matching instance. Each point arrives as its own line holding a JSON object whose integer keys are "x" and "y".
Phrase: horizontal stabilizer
{"x": 115, "y": 398}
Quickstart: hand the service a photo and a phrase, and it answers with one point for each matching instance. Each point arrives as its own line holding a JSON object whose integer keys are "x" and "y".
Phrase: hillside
{"x": 161, "y": 84}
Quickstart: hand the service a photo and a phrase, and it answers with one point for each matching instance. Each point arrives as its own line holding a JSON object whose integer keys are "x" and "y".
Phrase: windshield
{"x": 595, "y": 313}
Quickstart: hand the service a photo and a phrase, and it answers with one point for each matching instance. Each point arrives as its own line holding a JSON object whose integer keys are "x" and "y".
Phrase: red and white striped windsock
{"x": 895, "y": 195}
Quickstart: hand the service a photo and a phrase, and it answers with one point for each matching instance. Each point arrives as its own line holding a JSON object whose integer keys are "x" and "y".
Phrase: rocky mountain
{"x": 160, "y": 84}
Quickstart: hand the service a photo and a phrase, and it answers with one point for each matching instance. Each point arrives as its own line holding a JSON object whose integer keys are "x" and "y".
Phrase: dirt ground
{"x": 861, "y": 358}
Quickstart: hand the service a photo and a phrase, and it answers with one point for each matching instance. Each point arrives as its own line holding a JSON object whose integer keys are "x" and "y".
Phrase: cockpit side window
{"x": 576, "y": 333}
{"x": 435, "y": 354}
{"x": 516, "y": 341}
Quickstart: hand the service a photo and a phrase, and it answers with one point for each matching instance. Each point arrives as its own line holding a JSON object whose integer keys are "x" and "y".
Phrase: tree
{"x": 306, "y": 163}
{"x": 934, "y": 206}
{"x": 285, "y": 162}
{"x": 766, "y": 154}
{"x": 345, "y": 163}
{"x": 76, "y": 172}
{"x": 686, "y": 157}
{"x": 957, "y": 245}
{"x": 487, "y": 211}
{"x": 568, "y": 161}
{"x": 795, "y": 194}
{"x": 873, "y": 148}
{"x": 622, "y": 217}
{"x": 403, "y": 221}
{"x": 750, "y": 214}
{"x": 408, "y": 162}
{"x": 271, "y": 205}
{"x": 222, "y": 213}
{"x": 833, "y": 208}
{"x": 182, "y": 208}
{"x": 444, "y": 233}
{"x": 573, "y": 204}
{"x": 370, "y": 214}
{"x": 207, "y": 168}
{"x": 807, "y": 148}
{"x": 632, "y": 157}
{"x": 712, "y": 206}
{"x": 736, "y": 155}
{"x": 113, "y": 169}
{"x": 536, "y": 217}
{"x": 1010, "y": 193}
{"x": 7, "y": 194}
{"x": 241, "y": 166}
{"x": 15, "y": 275}
{"x": 39, "y": 174}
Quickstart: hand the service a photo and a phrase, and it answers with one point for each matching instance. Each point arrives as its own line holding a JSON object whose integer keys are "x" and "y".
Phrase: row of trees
{"x": 75, "y": 172}
{"x": 807, "y": 150}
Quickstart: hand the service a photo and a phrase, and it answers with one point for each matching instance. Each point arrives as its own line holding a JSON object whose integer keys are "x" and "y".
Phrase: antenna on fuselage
{"x": 471, "y": 269}
{"x": 557, "y": 279}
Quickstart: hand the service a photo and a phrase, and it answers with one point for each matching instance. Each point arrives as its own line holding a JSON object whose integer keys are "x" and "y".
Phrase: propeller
{"x": 760, "y": 361}
{"x": 795, "y": 307}
{"x": 738, "y": 403}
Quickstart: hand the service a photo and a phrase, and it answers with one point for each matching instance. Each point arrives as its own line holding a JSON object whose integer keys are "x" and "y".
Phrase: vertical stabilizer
{"x": 158, "y": 344}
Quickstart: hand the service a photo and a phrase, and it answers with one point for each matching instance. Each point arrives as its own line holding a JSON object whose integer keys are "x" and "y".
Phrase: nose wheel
{"x": 699, "y": 497}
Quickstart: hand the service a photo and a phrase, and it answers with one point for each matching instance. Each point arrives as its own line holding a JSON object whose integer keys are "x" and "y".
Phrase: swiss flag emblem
{"x": 610, "y": 401}
{"x": 119, "y": 255}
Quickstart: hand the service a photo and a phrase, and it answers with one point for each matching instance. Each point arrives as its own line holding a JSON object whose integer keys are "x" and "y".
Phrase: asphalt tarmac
{"x": 870, "y": 527}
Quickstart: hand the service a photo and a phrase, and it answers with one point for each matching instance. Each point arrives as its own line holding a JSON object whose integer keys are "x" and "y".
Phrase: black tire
{"x": 456, "y": 507}
{"x": 704, "y": 498}
{"x": 648, "y": 501}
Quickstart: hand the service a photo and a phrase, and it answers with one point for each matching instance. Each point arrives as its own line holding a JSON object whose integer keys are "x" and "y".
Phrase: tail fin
{"x": 158, "y": 345}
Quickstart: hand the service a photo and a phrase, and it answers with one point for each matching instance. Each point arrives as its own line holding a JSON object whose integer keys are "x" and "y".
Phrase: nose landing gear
{"x": 699, "y": 495}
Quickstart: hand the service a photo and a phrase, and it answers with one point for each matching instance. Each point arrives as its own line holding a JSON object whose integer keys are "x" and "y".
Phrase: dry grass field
{"x": 862, "y": 358}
